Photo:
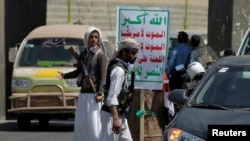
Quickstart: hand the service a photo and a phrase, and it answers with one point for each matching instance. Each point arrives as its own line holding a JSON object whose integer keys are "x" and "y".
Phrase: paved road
{"x": 56, "y": 131}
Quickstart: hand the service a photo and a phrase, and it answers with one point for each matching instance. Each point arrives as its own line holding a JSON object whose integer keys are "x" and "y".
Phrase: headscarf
{"x": 127, "y": 43}
{"x": 88, "y": 32}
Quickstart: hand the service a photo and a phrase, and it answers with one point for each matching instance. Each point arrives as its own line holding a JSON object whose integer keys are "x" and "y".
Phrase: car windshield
{"x": 227, "y": 86}
{"x": 49, "y": 52}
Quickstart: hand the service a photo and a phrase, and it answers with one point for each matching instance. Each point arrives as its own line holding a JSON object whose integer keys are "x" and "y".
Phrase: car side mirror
{"x": 178, "y": 96}
{"x": 12, "y": 54}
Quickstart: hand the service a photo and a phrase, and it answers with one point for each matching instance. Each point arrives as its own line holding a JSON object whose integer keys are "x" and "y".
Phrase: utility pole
{"x": 69, "y": 12}
{"x": 185, "y": 23}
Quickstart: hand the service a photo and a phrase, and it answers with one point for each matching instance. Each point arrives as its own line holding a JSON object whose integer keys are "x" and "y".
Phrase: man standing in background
{"x": 87, "y": 124}
{"x": 176, "y": 64}
{"x": 195, "y": 42}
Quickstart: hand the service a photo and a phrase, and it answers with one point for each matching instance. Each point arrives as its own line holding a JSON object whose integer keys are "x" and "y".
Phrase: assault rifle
{"x": 73, "y": 51}
{"x": 131, "y": 92}
{"x": 132, "y": 85}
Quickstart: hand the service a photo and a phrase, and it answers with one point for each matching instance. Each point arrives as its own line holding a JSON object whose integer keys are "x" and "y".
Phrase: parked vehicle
{"x": 37, "y": 93}
{"x": 221, "y": 98}
{"x": 244, "y": 48}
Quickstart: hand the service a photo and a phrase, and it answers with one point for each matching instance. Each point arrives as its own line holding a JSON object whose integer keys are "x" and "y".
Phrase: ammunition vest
{"x": 124, "y": 98}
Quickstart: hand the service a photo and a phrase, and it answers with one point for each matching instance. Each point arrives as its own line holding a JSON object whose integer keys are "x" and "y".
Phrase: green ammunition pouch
{"x": 124, "y": 99}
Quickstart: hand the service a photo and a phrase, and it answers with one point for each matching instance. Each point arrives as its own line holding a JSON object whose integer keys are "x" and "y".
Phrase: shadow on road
{"x": 54, "y": 126}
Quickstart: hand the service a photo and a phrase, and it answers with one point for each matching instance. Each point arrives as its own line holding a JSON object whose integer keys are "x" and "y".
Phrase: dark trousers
{"x": 176, "y": 80}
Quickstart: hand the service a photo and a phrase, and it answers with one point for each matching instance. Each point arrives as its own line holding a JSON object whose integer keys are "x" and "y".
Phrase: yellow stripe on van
{"x": 47, "y": 73}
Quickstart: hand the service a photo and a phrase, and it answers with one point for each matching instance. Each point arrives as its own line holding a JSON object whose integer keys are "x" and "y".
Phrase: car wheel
{"x": 23, "y": 122}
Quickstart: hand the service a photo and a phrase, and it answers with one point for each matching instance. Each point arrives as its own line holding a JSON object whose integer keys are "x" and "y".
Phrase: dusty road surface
{"x": 55, "y": 131}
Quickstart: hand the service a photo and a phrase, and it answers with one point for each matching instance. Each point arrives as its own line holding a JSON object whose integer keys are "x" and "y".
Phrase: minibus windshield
{"x": 49, "y": 52}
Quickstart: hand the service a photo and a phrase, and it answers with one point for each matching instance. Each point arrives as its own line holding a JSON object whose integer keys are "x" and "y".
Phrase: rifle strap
{"x": 98, "y": 51}
{"x": 132, "y": 80}
{"x": 93, "y": 61}
{"x": 81, "y": 75}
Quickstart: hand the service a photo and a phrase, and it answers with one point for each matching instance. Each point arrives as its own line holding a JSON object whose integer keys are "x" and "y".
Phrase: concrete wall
{"x": 102, "y": 13}
{"x": 2, "y": 61}
{"x": 227, "y": 23}
{"x": 220, "y": 24}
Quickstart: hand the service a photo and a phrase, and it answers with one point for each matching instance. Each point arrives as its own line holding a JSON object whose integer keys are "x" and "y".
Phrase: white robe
{"x": 108, "y": 135}
{"x": 117, "y": 77}
{"x": 87, "y": 126}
